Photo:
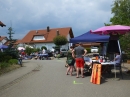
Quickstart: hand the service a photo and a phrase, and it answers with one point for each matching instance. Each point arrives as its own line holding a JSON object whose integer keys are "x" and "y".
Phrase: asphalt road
{"x": 47, "y": 78}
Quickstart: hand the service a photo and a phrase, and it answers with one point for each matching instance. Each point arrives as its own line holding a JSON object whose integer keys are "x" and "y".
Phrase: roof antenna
{"x": 36, "y": 31}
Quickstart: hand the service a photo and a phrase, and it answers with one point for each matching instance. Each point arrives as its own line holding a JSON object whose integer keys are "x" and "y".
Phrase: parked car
{"x": 49, "y": 52}
{"x": 94, "y": 49}
{"x": 63, "y": 52}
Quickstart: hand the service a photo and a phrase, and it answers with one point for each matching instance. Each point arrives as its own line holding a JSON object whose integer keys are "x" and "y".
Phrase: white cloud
{"x": 81, "y": 15}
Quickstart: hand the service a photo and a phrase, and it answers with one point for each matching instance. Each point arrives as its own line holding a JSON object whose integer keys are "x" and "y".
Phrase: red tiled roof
{"x": 1, "y": 24}
{"x": 2, "y": 37}
{"x": 17, "y": 42}
{"x": 49, "y": 36}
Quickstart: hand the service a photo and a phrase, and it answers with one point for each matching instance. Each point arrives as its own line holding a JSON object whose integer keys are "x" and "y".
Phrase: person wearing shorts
{"x": 70, "y": 65}
{"x": 79, "y": 52}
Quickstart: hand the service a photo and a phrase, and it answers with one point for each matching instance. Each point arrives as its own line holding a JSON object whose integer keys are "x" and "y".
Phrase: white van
{"x": 94, "y": 49}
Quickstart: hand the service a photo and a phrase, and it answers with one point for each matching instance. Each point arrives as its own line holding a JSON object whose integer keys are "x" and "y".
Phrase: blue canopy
{"x": 89, "y": 37}
{"x": 3, "y": 46}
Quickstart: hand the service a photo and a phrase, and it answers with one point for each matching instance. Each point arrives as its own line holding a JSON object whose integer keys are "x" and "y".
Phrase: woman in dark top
{"x": 70, "y": 61}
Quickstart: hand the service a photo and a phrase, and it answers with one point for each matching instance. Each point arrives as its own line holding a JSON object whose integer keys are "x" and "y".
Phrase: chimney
{"x": 57, "y": 32}
{"x": 48, "y": 29}
{"x": 36, "y": 31}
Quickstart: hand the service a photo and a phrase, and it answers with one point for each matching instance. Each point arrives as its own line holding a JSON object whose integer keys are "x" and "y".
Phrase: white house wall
{"x": 50, "y": 45}
{"x": 47, "y": 45}
{"x": 68, "y": 38}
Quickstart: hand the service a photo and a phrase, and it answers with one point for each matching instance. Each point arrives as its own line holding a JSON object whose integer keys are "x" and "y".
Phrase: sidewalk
{"x": 16, "y": 74}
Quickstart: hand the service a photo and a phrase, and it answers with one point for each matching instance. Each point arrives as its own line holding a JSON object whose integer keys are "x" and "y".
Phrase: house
{"x": 1, "y": 24}
{"x": 3, "y": 40}
{"x": 39, "y": 38}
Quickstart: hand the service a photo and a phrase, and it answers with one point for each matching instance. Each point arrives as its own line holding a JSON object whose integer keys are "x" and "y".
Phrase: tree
{"x": 11, "y": 51}
{"x": 11, "y": 40}
{"x": 28, "y": 50}
{"x": 43, "y": 47}
{"x": 121, "y": 11}
{"x": 60, "y": 40}
{"x": 125, "y": 44}
{"x": 121, "y": 16}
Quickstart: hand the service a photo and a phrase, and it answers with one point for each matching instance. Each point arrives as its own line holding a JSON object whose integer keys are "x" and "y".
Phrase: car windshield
{"x": 94, "y": 48}
{"x": 63, "y": 49}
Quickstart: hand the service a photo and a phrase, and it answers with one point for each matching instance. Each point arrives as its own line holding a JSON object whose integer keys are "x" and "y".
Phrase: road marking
{"x": 74, "y": 82}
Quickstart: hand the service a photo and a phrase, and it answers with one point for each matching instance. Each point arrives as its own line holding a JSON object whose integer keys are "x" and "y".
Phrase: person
{"x": 103, "y": 49}
{"x": 71, "y": 64}
{"x": 23, "y": 54}
{"x": 117, "y": 58}
{"x": 43, "y": 51}
{"x": 116, "y": 61}
{"x": 78, "y": 53}
{"x": 20, "y": 59}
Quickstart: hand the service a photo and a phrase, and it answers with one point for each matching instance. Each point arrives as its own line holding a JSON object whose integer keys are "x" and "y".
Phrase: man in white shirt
{"x": 43, "y": 51}
{"x": 117, "y": 59}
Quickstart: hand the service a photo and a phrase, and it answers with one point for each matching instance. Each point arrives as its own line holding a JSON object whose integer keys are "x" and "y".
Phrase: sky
{"x": 81, "y": 15}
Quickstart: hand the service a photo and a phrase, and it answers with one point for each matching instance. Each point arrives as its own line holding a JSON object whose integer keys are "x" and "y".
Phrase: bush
{"x": 12, "y": 52}
{"x": 4, "y": 57}
{"x": 4, "y": 65}
{"x": 1, "y": 56}
{"x": 88, "y": 50}
{"x": 60, "y": 40}
{"x": 13, "y": 61}
{"x": 35, "y": 50}
{"x": 43, "y": 47}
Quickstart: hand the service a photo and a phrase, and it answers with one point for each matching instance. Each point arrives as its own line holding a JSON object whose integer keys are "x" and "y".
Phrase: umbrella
{"x": 3, "y": 46}
{"x": 113, "y": 29}
{"x": 21, "y": 48}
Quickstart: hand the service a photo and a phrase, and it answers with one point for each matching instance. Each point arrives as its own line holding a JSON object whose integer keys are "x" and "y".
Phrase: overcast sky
{"x": 26, "y": 15}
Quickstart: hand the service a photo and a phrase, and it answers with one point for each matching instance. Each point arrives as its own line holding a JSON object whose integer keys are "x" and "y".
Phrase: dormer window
{"x": 38, "y": 38}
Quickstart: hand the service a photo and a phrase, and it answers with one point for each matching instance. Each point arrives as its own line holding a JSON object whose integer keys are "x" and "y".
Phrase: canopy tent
{"x": 3, "y": 46}
{"x": 90, "y": 37}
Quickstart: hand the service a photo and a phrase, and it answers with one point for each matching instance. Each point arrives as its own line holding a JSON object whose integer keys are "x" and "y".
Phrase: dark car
{"x": 50, "y": 53}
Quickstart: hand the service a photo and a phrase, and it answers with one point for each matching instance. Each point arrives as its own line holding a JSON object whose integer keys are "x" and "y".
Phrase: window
{"x": 38, "y": 38}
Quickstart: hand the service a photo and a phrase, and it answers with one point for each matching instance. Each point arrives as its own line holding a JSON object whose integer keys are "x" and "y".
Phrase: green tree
{"x": 11, "y": 40}
{"x": 125, "y": 44}
{"x": 121, "y": 16}
{"x": 60, "y": 40}
{"x": 43, "y": 47}
{"x": 28, "y": 50}
{"x": 121, "y": 11}
{"x": 11, "y": 51}
{"x": 35, "y": 50}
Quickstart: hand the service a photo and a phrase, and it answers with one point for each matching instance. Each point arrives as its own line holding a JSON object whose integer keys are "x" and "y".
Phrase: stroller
{"x": 87, "y": 66}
